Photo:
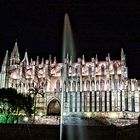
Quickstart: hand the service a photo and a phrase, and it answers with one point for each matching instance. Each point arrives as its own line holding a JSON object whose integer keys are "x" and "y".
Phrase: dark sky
{"x": 99, "y": 27}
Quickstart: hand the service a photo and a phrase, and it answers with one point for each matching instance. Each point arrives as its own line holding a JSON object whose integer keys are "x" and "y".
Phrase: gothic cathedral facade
{"x": 95, "y": 86}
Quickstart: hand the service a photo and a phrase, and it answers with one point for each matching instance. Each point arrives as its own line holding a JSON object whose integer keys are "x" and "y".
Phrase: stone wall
{"x": 46, "y": 132}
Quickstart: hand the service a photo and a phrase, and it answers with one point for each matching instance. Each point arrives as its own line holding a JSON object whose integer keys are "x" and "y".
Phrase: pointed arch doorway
{"x": 53, "y": 108}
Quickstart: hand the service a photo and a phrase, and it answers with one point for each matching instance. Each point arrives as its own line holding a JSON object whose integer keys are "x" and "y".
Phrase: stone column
{"x": 126, "y": 101}
{"x": 103, "y": 100}
{"x": 82, "y": 97}
{"x": 93, "y": 101}
{"x": 73, "y": 101}
{"x": 108, "y": 100}
{"x": 137, "y": 101}
{"x": 120, "y": 100}
{"x": 97, "y": 100}
{"x": 100, "y": 100}
{"x": 123, "y": 100}
{"x": 85, "y": 101}
{"x": 70, "y": 103}
{"x": 113, "y": 100}
{"x": 66, "y": 102}
{"x": 133, "y": 102}
{"x": 130, "y": 100}
{"x": 88, "y": 101}
{"x": 78, "y": 101}
{"x": 75, "y": 96}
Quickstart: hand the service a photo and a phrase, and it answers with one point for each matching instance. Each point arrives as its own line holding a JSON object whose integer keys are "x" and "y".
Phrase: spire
{"x": 122, "y": 55}
{"x": 109, "y": 57}
{"x": 4, "y": 71}
{"x": 70, "y": 60}
{"x": 15, "y": 50}
{"x": 67, "y": 57}
{"x": 55, "y": 60}
{"x": 25, "y": 59}
{"x": 96, "y": 59}
{"x": 15, "y": 55}
{"x": 37, "y": 60}
{"x": 92, "y": 60}
{"x": 31, "y": 61}
{"x": 5, "y": 61}
{"x": 122, "y": 50}
{"x": 42, "y": 62}
{"x": 83, "y": 59}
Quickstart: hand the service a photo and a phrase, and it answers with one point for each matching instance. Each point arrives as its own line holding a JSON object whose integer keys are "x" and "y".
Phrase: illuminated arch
{"x": 93, "y": 84}
{"x": 97, "y": 85}
{"x": 53, "y": 107}
{"x": 74, "y": 85}
{"x": 88, "y": 85}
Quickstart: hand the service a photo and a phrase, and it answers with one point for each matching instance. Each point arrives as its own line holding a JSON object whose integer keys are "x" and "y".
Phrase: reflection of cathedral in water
{"x": 88, "y": 86}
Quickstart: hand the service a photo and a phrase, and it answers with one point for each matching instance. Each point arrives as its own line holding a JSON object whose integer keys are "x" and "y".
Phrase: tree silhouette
{"x": 12, "y": 103}
{"x": 35, "y": 90}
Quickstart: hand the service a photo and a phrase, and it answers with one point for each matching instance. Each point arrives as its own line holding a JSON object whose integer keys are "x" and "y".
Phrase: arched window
{"x": 115, "y": 68}
{"x": 102, "y": 84}
{"x": 74, "y": 86}
{"x": 93, "y": 85}
{"x": 97, "y": 85}
{"x": 133, "y": 103}
{"x": 78, "y": 86}
{"x": 88, "y": 85}
{"x": 90, "y": 70}
{"x": 57, "y": 86}
{"x": 102, "y": 70}
{"x": 69, "y": 86}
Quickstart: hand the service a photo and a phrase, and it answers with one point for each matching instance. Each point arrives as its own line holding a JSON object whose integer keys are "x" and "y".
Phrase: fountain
{"x": 68, "y": 48}
{"x": 68, "y": 42}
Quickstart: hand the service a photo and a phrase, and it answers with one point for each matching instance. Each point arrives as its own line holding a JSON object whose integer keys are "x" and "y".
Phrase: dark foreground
{"x": 46, "y": 132}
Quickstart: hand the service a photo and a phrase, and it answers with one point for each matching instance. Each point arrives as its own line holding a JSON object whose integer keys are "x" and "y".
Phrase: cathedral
{"x": 94, "y": 86}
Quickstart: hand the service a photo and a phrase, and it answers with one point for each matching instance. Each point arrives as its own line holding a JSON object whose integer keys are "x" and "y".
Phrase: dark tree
{"x": 13, "y": 103}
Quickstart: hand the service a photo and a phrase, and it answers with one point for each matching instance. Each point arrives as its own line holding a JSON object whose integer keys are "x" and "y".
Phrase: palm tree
{"x": 36, "y": 90}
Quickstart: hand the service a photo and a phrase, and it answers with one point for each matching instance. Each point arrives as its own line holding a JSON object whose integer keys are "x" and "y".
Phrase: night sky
{"x": 99, "y": 27}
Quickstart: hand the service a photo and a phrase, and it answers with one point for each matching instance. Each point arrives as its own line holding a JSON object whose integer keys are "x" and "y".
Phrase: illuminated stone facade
{"x": 95, "y": 86}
